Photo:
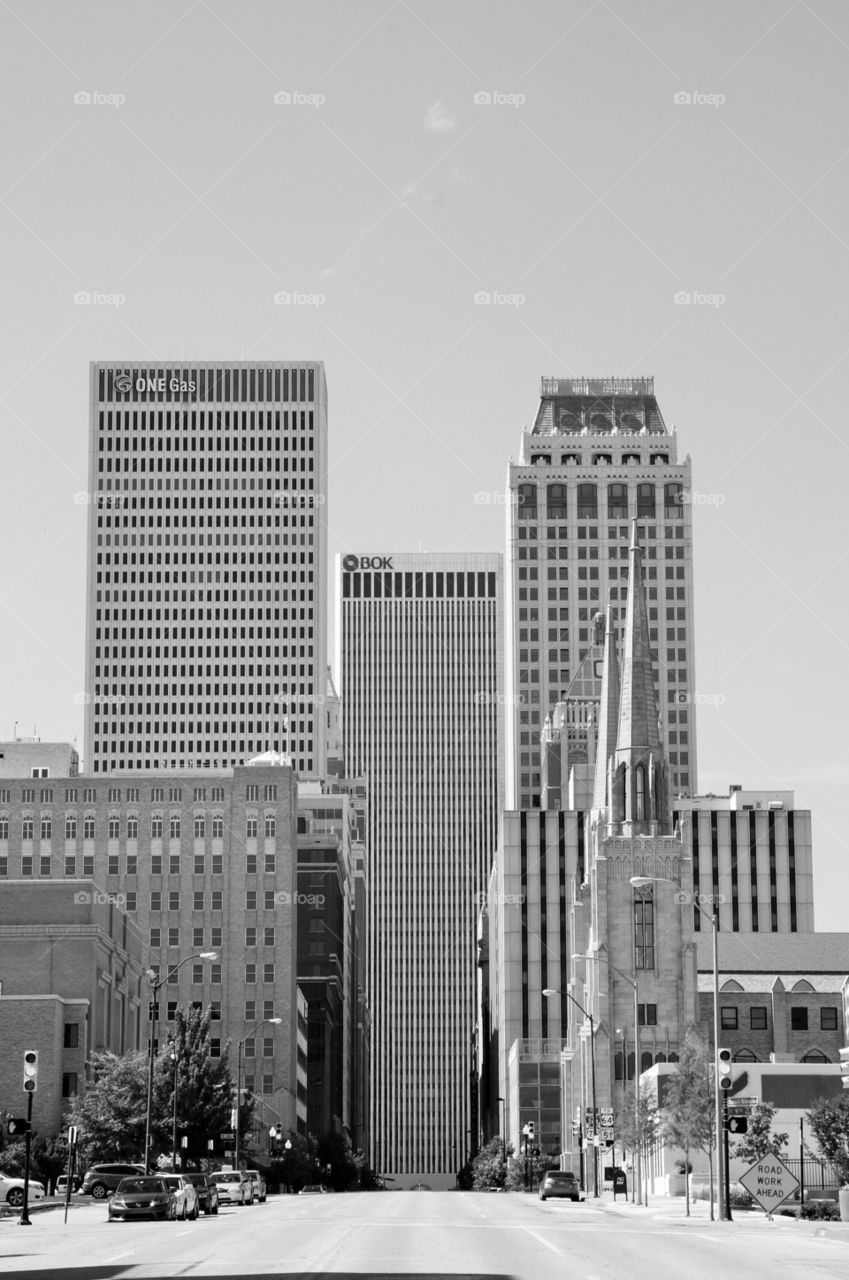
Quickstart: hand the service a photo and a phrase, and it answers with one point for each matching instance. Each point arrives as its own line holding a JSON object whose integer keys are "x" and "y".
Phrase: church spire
{"x": 608, "y": 715}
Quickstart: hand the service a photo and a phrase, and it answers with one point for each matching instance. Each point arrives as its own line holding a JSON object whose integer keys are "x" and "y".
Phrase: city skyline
{"x": 615, "y": 246}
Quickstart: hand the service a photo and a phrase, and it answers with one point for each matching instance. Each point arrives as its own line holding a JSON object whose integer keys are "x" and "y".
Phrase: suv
{"x": 559, "y": 1185}
{"x": 102, "y": 1179}
{"x": 260, "y": 1189}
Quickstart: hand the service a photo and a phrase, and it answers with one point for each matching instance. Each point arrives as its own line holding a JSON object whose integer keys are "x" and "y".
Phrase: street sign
{"x": 770, "y": 1182}
{"x": 228, "y": 1137}
{"x": 744, "y": 1104}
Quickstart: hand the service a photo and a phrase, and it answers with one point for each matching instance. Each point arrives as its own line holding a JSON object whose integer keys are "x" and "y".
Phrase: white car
{"x": 12, "y": 1190}
{"x": 234, "y": 1187}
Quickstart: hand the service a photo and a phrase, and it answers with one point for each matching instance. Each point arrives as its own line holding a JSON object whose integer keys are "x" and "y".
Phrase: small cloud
{"x": 439, "y": 119}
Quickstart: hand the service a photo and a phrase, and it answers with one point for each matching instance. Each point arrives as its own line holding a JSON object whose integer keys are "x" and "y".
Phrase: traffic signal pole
{"x": 727, "y": 1161}
{"x": 24, "y": 1220}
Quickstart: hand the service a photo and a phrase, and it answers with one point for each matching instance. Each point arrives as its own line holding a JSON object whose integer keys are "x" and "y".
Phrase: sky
{"x": 445, "y": 202}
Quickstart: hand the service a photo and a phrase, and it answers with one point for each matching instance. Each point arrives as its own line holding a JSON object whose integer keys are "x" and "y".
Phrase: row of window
{"x": 157, "y": 828}
{"x": 618, "y": 504}
{"x": 758, "y": 1019}
{"x": 157, "y": 795}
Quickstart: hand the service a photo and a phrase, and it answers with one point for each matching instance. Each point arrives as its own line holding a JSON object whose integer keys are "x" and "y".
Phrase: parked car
{"x": 142, "y": 1197}
{"x": 233, "y": 1187}
{"x": 102, "y": 1179}
{"x": 559, "y": 1185}
{"x": 185, "y": 1196}
{"x": 12, "y": 1190}
{"x": 260, "y": 1188}
{"x": 207, "y": 1191}
{"x": 62, "y": 1183}
{"x": 313, "y": 1190}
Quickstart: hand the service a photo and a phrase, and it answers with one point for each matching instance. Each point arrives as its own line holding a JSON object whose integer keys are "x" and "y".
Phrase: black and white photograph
{"x": 423, "y": 617}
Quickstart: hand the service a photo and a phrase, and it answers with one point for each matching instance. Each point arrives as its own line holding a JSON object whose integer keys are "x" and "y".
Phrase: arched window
{"x": 619, "y": 784}
{"x": 629, "y": 422}
{"x": 657, "y": 791}
{"x": 640, "y": 793}
{"x": 731, "y": 985}
{"x": 673, "y": 499}
{"x": 673, "y": 1057}
{"x": 617, "y": 1065}
{"x": 569, "y": 421}
{"x": 556, "y": 501}
{"x": 659, "y": 1057}
{"x": 599, "y": 422}
{"x": 802, "y": 985}
{"x": 645, "y": 501}
{"x": 630, "y": 457}
{"x": 645, "y": 1061}
{"x": 606, "y": 458}
{"x": 630, "y": 1066}
{"x": 815, "y": 1055}
{"x": 527, "y": 500}
{"x": 617, "y": 501}
{"x": 569, "y": 457}
{"x": 658, "y": 459}
{"x": 587, "y": 502}
{"x": 540, "y": 458}
{"x": 745, "y": 1055}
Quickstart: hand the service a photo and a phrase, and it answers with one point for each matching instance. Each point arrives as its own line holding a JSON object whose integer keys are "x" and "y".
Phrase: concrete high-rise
{"x": 207, "y": 583}
{"x": 598, "y": 455}
{"x": 420, "y": 669}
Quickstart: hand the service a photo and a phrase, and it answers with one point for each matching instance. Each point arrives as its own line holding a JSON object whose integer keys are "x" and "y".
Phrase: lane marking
{"x": 119, "y": 1255}
{"x": 547, "y": 1243}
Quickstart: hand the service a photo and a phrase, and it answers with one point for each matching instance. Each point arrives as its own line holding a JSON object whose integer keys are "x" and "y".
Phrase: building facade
{"x": 71, "y": 983}
{"x": 598, "y": 455}
{"x": 420, "y": 671}
{"x": 199, "y": 862}
{"x": 207, "y": 579}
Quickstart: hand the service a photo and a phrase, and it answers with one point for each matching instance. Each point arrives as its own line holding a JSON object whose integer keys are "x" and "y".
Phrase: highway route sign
{"x": 770, "y": 1182}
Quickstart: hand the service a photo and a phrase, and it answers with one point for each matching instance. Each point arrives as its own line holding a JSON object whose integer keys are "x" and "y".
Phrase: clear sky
{"x": 582, "y": 163}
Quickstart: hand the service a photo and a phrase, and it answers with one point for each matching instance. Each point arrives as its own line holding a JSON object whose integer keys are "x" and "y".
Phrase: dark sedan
{"x": 207, "y": 1191}
{"x": 559, "y": 1185}
{"x": 142, "y": 1197}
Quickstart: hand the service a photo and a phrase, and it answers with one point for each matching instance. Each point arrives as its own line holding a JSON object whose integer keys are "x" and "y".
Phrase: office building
{"x": 598, "y": 455}
{"x": 207, "y": 584}
{"x": 420, "y": 673}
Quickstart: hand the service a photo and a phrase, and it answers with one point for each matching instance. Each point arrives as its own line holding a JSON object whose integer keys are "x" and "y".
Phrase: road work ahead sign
{"x": 770, "y": 1182}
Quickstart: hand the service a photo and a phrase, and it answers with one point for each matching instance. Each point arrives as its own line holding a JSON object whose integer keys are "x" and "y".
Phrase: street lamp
{"x": 551, "y": 991}
{"x": 632, "y": 982}
{"x": 238, "y": 1126}
{"x": 175, "y": 1060}
{"x": 156, "y": 987}
{"x": 640, "y": 882}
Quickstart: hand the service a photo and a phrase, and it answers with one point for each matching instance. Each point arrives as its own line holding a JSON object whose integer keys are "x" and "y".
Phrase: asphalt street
{"x": 427, "y": 1235}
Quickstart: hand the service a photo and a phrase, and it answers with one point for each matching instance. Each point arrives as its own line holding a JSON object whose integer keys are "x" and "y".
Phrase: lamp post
{"x": 551, "y": 991}
{"x": 639, "y": 882}
{"x": 503, "y": 1110}
{"x": 175, "y": 1060}
{"x": 156, "y": 987}
{"x": 632, "y": 982}
{"x": 238, "y": 1126}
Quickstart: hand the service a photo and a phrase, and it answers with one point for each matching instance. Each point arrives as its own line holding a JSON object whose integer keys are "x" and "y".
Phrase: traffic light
{"x": 723, "y": 1066}
{"x": 844, "y": 1066}
{"x": 738, "y": 1124}
{"x": 530, "y": 1131}
{"x": 30, "y": 1071}
{"x": 17, "y": 1127}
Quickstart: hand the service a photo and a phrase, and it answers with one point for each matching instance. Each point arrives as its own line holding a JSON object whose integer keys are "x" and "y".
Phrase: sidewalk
{"x": 673, "y": 1209}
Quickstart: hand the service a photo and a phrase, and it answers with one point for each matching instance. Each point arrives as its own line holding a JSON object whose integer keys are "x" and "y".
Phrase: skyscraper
{"x": 598, "y": 455}
{"x": 420, "y": 668}
{"x": 207, "y": 585}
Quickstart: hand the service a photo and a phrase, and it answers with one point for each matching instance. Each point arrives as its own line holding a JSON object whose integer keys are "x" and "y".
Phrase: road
{"x": 427, "y": 1235}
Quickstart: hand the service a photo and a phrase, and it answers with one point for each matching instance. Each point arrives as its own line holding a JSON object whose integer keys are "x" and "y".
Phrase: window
{"x": 88, "y": 828}
{"x": 250, "y": 935}
{"x": 174, "y": 900}
{"x": 799, "y": 1019}
{"x": 70, "y": 828}
{"x": 647, "y": 1015}
{"x": 644, "y": 932}
{"x": 197, "y": 937}
{"x": 267, "y": 1047}
{"x": 270, "y": 827}
{"x": 46, "y": 829}
{"x": 132, "y": 827}
{"x": 200, "y": 828}
{"x": 268, "y": 1008}
{"x": 217, "y": 900}
{"x": 155, "y": 900}
{"x": 526, "y": 500}
{"x": 556, "y": 501}
{"x": 250, "y": 900}
{"x": 252, "y": 792}
{"x": 251, "y": 828}
{"x": 728, "y": 1017}
{"x": 174, "y": 828}
{"x": 156, "y": 828}
{"x": 217, "y": 827}
{"x": 269, "y": 791}
{"x": 268, "y": 972}
{"x": 270, "y": 899}
{"x": 250, "y": 973}
{"x": 828, "y": 1018}
{"x": 72, "y": 1035}
{"x": 69, "y": 1084}
{"x": 215, "y": 1044}
{"x": 268, "y": 1084}
{"x": 197, "y": 900}
{"x": 217, "y": 795}
{"x": 250, "y": 1011}
{"x": 268, "y": 941}
{"x": 757, "y": 1017}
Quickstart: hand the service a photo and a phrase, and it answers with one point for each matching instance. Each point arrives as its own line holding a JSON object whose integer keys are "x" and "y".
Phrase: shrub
{"x": 820, "y": 1210}
{"x": 740, "y": 1198}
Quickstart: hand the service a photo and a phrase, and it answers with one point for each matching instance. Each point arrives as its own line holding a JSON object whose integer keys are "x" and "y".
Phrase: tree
{"x": 489, "y": 1167}
{"x": 829, "y": 1122}
{"x": 760, "y": 1141}
{"x": 334, "y": 1150}
{"x": 111, "y": 1114}
{"x": 537, "y": 1165}
{"x": 686, "y": 1117}
{"x": 642, "y": 1132}
{"x": 205, "y": 1089}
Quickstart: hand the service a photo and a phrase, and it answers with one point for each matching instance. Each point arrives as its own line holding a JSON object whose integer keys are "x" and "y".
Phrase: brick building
{"x": 71, "y": 969}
